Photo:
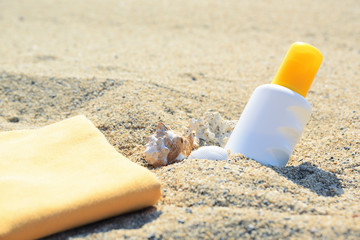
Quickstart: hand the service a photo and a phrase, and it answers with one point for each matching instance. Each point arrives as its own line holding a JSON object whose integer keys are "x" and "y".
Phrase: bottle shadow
{"x": 321, "y": 182}
{"x": 133, "y": 220}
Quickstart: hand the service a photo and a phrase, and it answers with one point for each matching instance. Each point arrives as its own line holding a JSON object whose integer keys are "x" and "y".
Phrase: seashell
{"x": 166, "y": 146}
{"x": 210, "y": 153}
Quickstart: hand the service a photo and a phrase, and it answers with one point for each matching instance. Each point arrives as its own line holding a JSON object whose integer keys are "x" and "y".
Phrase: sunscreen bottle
{"x": 276, "y": 114}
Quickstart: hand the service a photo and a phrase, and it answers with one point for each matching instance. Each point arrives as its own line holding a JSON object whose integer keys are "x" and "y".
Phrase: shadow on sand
{"x": 134, "y": 220}
{"x": 321, "y": 182}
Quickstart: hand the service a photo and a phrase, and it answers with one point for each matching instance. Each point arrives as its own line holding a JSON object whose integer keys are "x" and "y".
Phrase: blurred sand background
{"x": 127, "y": 65}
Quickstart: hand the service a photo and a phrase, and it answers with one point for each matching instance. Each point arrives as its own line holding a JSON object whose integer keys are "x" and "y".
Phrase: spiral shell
{"x": 166, "y": 146}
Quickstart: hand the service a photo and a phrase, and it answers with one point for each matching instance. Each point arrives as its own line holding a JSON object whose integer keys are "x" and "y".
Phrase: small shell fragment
{"x": 167, "y": 146}
{"x": 210, "y": 153}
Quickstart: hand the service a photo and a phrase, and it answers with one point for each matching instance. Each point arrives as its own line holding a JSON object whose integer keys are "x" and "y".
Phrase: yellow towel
{"x": 65, "y": 175}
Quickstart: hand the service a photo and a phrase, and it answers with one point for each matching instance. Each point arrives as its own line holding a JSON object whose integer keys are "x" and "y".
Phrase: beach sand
{"x": 127, "y": 65}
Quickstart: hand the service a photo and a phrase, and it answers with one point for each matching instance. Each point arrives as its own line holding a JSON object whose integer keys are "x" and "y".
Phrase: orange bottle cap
{"x": 299, "y": 67}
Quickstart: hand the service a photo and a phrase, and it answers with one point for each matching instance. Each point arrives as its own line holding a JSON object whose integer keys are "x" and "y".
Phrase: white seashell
{"x": 210, "y": 153}
{"x": 167, "y": 146}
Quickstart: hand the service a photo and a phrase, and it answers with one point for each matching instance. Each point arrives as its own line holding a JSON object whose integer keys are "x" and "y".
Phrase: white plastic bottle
{"x": 276, "y": 114}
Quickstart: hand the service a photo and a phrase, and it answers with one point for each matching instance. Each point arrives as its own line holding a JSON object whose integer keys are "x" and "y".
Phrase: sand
{"x": 127, "y": 65}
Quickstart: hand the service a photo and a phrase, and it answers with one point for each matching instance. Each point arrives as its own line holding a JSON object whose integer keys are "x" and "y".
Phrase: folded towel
{"x": 65, "y": 175}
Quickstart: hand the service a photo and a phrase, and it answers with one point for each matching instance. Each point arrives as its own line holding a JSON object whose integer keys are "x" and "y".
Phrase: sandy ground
{"x": 127, "y": 65}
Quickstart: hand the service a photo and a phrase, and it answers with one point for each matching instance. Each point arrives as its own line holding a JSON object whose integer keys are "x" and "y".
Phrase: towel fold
{"x": 65, "y": 175}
